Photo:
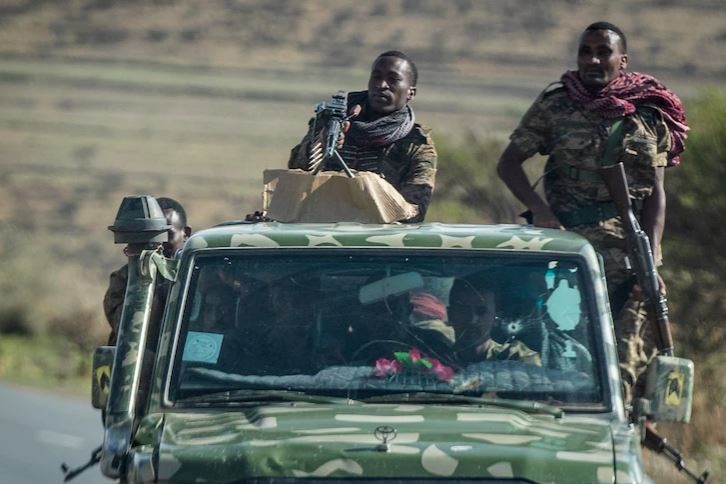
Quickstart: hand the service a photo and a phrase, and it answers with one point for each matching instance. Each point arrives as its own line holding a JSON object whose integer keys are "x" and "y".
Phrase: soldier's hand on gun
{"x": 353, "y": 112}
{"x": 341, "y": 137}
{"x": 317, "y": 148}
{"x": 638, "y": 291}
{"x": 345, "y": 126}
{"x": 661, "y": 286}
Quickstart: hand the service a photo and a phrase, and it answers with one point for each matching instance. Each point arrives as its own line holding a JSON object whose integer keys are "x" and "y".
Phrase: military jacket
{"x": 557, "y": 126}
{"x": 408, "y": 164}
{"x": 575, "y": 140}
{"x": 113, "y": 303}
{"x": 113, "y": 300}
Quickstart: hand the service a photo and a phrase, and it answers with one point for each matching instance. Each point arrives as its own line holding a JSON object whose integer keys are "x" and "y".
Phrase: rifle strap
{"x": 615, "y": 138}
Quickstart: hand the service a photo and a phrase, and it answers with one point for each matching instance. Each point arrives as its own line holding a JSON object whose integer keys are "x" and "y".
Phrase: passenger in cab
{"x": 486, "y": 331}
{"x": 218, "y": 310}
{"x": 472, "y": 313}
{"x": 382, "y": 135}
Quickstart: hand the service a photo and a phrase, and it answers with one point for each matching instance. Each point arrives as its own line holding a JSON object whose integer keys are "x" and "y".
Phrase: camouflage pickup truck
{"x": 372, "y": 353}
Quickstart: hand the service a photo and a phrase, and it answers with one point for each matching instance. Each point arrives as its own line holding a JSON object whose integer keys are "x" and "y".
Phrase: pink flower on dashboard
{"x": 385, "y": 367}
{"x": 412, "y": 361}
{"x": 442, "y": 372}
{"x": 415, "y": 354}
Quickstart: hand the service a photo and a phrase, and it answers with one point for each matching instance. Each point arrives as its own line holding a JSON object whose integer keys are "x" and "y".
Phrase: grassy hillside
{"x": 193, "y": 99}
{"x": 472, "y": 37}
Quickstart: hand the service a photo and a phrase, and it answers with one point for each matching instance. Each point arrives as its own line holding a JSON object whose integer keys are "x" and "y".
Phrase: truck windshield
{"x": 363, "y": 324}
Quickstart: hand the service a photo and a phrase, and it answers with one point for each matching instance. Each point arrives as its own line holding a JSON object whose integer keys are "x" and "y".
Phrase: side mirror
{"x": 669, "y": 389}
{"x": 101, "y": 375}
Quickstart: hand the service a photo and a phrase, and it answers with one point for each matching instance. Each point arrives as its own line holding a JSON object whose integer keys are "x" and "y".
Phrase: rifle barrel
{"x": 641, "y": 255}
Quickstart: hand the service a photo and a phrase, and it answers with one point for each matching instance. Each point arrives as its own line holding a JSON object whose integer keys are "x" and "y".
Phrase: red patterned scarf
{"x": 624, "y": 94}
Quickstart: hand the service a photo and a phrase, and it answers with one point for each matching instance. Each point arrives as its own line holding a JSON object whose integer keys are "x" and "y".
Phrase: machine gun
{"x": 640, "y": 255}
{"x": 331, "y": 114}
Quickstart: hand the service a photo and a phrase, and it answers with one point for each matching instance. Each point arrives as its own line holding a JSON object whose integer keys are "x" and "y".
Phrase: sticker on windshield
{"x": 202, "y": 347}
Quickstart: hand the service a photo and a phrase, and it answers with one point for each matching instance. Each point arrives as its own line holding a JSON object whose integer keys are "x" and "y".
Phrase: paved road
{"x": 39, "y": 430}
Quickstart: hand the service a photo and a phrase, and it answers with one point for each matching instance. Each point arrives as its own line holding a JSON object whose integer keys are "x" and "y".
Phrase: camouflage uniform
{"x": 514, "y": 350}
{"x": 113, "y": 303}
{"x": 575, "y": 140}
{"x": 113, "y": 300}
{"x": 408, "y": 164}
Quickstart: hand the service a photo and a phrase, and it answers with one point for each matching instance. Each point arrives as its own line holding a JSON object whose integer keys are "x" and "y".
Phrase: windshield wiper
{"x": 528, "y": 406}
{"x": 258, "y": 396}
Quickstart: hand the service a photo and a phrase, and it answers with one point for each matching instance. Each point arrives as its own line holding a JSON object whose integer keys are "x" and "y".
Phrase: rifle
{"x": 658, "y": 443}
{"x": 332, "y": 114}
{"x": 640, "y": 255}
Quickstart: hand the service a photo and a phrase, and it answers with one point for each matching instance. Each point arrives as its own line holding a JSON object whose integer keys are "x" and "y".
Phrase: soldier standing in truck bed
{"x": 383, "y": 135}
{"x": 113, "y": 300}
{"x": 572, "y": 121}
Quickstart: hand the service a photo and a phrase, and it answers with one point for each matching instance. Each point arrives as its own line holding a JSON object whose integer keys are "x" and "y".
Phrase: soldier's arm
{"x": 530, "y": 137}
{"x": 654, "y": 210}
{"x": 652, "y": 217}
{"x": 510, "y": 171}
{"x": 652, "y": 220}
{"x": 418, "y": 185}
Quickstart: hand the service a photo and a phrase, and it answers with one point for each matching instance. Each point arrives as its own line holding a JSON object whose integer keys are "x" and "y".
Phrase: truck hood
{"x": 432, "y": 441}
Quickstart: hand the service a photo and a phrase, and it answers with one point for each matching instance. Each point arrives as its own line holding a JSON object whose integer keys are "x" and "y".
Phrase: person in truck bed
{"x": 382, "y": 135}
{"x": 595, "y": 116}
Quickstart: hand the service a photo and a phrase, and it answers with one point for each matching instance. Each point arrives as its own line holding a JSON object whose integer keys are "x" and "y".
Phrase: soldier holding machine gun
{"x": 378, "y": 133}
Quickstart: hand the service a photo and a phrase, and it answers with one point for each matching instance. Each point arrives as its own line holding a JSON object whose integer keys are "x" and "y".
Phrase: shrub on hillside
{"x": 44, "y": 294}
{"x": 696, "y": 226}
{"x": 467, "y": 186}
